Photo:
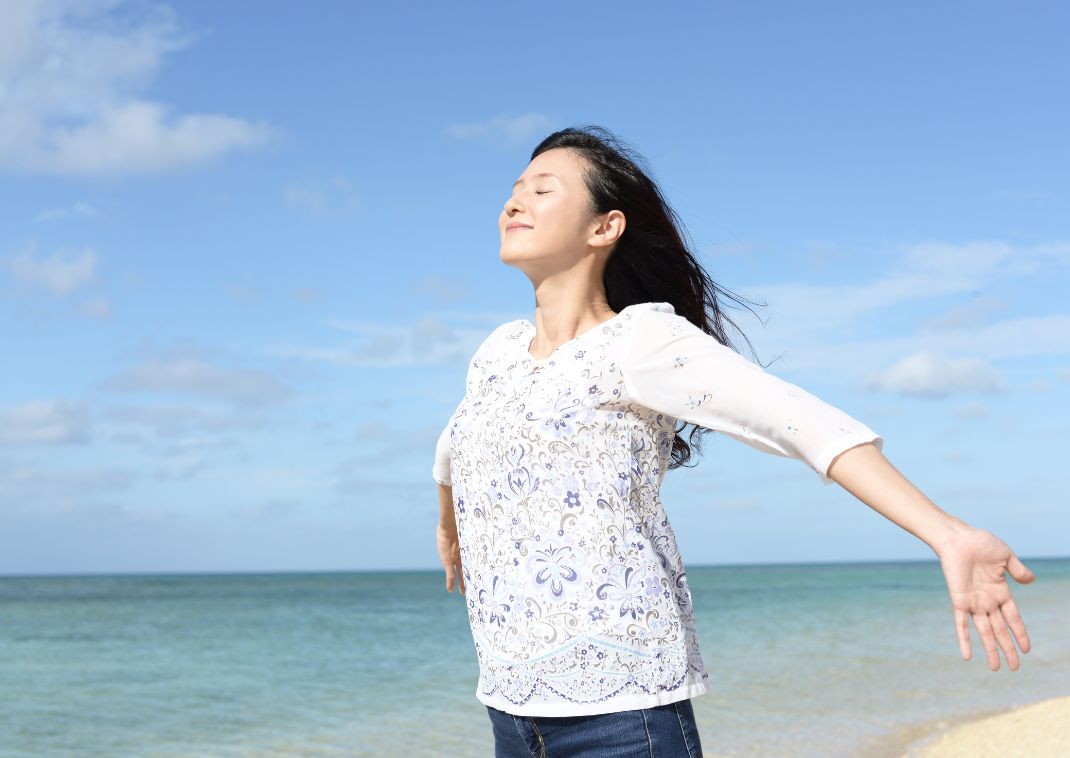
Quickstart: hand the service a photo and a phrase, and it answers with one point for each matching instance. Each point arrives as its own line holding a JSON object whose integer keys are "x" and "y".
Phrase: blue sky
{"x": 247, "y": 250}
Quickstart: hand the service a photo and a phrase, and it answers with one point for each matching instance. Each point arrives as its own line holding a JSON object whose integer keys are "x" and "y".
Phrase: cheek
{"x": 572, "y": 224}
{"x": 561, "y": 216}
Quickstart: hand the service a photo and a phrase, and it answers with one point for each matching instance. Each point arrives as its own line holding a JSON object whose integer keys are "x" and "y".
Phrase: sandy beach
{"x": 1036, "y": 730}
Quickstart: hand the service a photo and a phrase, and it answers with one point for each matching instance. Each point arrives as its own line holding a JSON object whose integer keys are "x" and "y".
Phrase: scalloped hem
{"x": 694, "y": 686}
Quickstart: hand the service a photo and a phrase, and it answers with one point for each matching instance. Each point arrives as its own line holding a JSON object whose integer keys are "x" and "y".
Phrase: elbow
{"x": 837, "y": 467}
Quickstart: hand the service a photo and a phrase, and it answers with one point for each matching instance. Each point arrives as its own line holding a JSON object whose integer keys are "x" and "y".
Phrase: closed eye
{"x": 537, "y": 192}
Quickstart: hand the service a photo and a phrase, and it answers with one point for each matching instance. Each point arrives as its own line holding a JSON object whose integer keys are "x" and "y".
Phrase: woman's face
{"x": 550, "y": 202}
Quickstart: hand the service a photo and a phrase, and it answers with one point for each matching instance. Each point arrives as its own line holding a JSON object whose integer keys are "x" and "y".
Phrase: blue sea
{"x": 804, "y": 660}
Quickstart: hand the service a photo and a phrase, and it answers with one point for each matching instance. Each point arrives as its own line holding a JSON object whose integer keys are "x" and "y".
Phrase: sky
{"x": 247, "y": 250}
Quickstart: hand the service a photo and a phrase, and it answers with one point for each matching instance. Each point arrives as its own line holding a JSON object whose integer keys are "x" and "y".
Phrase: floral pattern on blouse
{"x": 576, "y": 591}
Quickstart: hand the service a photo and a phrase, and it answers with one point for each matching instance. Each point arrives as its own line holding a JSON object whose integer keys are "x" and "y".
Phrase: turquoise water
{"x": 838, "y": 659}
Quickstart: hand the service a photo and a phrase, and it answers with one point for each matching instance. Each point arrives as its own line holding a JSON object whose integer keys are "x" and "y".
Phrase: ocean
{"x": 851, "y": 659}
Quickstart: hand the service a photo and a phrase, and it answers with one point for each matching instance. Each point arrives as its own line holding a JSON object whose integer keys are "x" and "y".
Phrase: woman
{"x": 550, "y": 467}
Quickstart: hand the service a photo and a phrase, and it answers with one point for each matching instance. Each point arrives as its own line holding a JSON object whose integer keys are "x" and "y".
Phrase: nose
{"x": 511, "y": 205}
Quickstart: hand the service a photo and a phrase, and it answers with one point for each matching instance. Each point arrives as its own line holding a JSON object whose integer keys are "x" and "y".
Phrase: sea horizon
{"x": 356, "y": 663}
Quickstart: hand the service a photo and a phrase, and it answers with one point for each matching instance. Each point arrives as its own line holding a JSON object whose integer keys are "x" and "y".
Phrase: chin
{"x": 511, "y": 256}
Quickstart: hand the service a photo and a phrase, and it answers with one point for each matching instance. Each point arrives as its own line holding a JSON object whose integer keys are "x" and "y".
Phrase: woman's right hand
{"x": 449, "y": 550}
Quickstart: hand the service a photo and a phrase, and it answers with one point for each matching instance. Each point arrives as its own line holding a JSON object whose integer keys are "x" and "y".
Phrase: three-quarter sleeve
{"x": 441, "y": 469}
{"x": 672, "y": 366}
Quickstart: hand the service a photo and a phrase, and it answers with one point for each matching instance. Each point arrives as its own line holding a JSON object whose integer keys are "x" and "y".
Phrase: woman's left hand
{"x": 974, "y": 562}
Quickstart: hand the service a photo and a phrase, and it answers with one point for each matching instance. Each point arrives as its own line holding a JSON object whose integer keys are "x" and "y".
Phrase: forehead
{"x": 556, "y": 163}
{"x": 535, "y": 176}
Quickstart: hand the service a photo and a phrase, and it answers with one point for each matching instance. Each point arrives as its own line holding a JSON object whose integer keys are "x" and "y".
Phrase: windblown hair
{"x": 651, "y": 262}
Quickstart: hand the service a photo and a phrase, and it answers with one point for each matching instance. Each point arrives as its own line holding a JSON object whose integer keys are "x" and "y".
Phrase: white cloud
{"x": 243, "y": 293}
{"x": 972, "y": 314}
{"x": 188, "y": 372}
{"x": 99, "y": 308}
{"x": 512, "y": 130}
{"x": 142, "y": 137}
{"x": 742, "y": 248}
{"x": 169, "y": 420}
{"x": 1023, "y": 195}
{"x": 428, "y": 340}
{"x": 333, "y": 197}
{"x": 35, "y": 488}
{"x": 180, "y": 466}
{"x": 43, "y": 422}
{"x": 83, "y": 209}
{"x": 69, "y": 73}
{"x": 1040, "y": 384}
{"x": 61, "y": 273}
{"x": 933, "y": 375}
{"x": 1011, "y": 338}
{"x": 810, "y": 327}
{"x": 918, "y": 272}
{"x": 271, "y": 509}
{"x": 442, "y": 288}
{"x": 307, "y": 295}
{"x": 971, "y": 411}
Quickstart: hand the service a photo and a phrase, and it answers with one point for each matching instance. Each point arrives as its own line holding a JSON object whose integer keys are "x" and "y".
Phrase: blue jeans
{"x": 662, "y": 731}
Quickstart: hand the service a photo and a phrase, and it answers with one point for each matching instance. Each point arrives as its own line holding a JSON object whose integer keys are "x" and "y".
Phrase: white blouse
{"x": 576, "y": 591}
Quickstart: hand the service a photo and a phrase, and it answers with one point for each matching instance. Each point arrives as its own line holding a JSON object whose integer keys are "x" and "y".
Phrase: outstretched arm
{"x": 674, "y": 367}
{"x": 974, "y": 560}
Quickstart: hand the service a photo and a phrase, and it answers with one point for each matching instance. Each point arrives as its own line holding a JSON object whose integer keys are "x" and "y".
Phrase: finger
{"x": 1018, "y": 570}
{"x": 449, "y": 577}
{"x": 1014, "y": 620}
{"x": 460, "y": 573}
{"x": 962, "y": 627}
{"x": 988, "y": 640}
{"x": 1006, "y": 644}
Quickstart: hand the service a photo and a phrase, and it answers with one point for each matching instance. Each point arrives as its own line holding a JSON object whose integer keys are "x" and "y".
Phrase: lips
{"x": 514, "y": 227}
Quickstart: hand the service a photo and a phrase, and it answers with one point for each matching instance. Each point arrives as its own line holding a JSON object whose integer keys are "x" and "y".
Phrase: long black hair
{"x": 651, "y": 262}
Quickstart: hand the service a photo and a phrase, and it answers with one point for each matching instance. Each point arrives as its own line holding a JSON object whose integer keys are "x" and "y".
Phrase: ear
{"x": 608, "y": 229}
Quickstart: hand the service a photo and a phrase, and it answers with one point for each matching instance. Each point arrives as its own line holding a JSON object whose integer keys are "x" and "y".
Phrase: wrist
{"x": 949, "y": 530}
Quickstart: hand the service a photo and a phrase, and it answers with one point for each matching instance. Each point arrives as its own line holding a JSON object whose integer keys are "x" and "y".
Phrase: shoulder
{"x": 641, "y": 313}
{"x": 628, "y": 319}
{"x": 655, "y": 321}
{"x": 498, "y": 337}
{"x": 494, "y": 345}
{"x": 661, "y": 336}
{"x": 637, "y": 309}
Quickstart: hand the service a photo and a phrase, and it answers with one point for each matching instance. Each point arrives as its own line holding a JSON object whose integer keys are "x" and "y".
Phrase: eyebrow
{"x": 544, "y": 173}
